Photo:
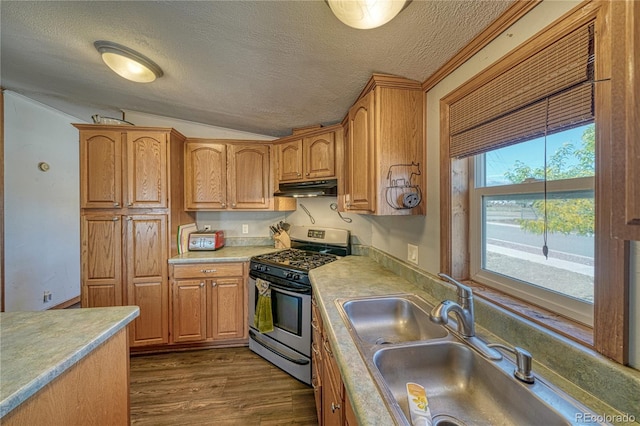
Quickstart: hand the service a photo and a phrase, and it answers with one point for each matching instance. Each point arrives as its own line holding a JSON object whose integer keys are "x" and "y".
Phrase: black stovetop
{"x": 301, "y": 260}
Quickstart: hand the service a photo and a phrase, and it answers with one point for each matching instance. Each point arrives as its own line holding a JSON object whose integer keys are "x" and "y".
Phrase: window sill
{"x": 570, "y": 329}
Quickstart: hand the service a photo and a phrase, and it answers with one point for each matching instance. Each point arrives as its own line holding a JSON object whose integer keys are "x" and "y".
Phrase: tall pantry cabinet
{"x": 131, "y": 205}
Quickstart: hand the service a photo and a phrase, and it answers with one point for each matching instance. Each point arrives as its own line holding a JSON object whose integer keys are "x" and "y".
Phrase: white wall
{"x": 42, "y": 209}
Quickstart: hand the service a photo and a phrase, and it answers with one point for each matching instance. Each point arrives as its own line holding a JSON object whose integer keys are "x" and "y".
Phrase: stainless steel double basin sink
{"x": 400, "y": 344}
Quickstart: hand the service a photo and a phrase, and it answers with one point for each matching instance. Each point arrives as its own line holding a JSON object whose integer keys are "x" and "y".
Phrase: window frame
{"x": 564, "y": 305}
{"x": 610, "y": 333}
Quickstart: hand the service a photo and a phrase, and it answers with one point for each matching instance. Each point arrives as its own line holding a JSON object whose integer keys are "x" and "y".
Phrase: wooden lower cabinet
{"x": 209, "y": 302}
{"x": 189, "y": 311}
{"x": 124, "y": 262}
{"x": 332, "y": 401}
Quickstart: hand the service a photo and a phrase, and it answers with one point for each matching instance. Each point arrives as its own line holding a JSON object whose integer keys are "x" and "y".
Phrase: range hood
{"x": 316, "y": 188}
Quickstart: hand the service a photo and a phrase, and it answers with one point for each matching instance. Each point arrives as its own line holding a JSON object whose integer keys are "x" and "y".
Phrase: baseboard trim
{"x": 65, "y": 305}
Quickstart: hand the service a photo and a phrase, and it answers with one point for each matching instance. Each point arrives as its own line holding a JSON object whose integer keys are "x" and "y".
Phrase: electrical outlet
{"x": 245, "y": 228}
{"x": 207, "y": 227}
{"x": 412, "y": 253}
{"x": 47, "y": 297}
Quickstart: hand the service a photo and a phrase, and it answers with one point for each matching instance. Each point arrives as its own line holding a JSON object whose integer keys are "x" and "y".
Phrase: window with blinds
{"x": 550, "y": 91}
{"x": 528, "y": 134}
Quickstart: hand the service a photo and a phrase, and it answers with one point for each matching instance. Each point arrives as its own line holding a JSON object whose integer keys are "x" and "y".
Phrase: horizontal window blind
{"x": 513, "y": 107}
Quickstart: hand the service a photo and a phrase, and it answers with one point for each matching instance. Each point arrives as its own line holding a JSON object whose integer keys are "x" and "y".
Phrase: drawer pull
{"x": 315, "y": 351}
{"x": 335, "y": 407}
{"x": 207, "y": 271}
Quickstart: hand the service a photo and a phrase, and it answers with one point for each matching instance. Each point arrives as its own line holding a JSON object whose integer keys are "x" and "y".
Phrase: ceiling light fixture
{"x": 366, "y": 14}
{"x": 128, "y": 63}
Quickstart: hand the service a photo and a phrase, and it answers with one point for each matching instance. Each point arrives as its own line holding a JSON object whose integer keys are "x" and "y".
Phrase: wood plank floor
{"x": 227, "y": 386}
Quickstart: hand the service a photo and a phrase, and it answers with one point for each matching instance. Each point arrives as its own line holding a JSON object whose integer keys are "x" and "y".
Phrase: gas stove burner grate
{"x": 295, "y": 258}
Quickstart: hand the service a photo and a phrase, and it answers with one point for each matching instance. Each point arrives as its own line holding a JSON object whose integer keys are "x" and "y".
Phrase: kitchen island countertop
{"x": 37, "y": 347}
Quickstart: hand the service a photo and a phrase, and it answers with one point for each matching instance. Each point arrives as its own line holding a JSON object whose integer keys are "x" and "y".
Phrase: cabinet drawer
{"x": 208, "y": 270}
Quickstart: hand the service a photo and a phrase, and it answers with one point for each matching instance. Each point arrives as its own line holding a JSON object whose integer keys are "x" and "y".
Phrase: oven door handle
{"x": 299, "y": 361}
{"x": 306, "y": 290}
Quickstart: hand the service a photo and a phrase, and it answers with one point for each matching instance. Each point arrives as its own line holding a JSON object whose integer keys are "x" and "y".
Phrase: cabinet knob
{"x": 298, "y": 174}
{"x": 129, "y": 218}
{"x": 129, "y": 204}
{"x": 335, "y": 407}
{"x": 306, "y": 174}
{"x": 116, "y": 218}
{"x": 213, "y": 284}
{"x": 201, "y": 285}
{"x": 116, "y": 204}
{"x": 223, "y": 205}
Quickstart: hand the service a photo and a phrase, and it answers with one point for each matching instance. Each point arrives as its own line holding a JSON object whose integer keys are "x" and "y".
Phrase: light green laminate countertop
{"x": 225, "y": 254}
{"x": 37, "y": 347}
{"x": 362, "y": 276}
{"x": 355, "y": 276}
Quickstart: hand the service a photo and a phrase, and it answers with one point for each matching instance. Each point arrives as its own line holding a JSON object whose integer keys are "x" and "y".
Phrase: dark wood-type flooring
{"x": 227, "y": 386}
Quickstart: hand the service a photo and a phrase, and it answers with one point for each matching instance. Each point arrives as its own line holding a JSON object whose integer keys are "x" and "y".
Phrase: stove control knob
{"x": 296, "y": 277}
{"x": 289, "y": 275}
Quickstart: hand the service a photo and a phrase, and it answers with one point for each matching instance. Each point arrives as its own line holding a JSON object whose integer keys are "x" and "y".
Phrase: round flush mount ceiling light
{"x": 128, "y": 63}
{"x": 366, "y": 14}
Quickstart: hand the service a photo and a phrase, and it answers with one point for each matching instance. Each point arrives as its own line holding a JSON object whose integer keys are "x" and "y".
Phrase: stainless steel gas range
{"x": 288, "y": 346}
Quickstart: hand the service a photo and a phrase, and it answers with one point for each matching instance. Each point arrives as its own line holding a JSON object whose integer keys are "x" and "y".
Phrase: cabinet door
{"x": 146, "y": 169}
{"x": 360, "y": 155}
{"x": 226, "y": 308}
{"x": 100, "y": 169}
{"x": 350, "y": 418}
{"x": 147, "y": 287}
{"x": 205, "y": 179}
{"x": 320, "y": 156}
{"x": 189, "y": 311}
{"x": 101, "y": 260}
{"x": 249, "y": 177}
{"x": 290, "y": 161}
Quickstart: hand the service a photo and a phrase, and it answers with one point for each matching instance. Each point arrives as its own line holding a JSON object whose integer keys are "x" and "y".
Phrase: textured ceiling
{"x": 258, "y": 66}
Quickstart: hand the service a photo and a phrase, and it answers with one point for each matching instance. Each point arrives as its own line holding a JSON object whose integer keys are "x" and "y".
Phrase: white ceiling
{"x": 258, "y": 66}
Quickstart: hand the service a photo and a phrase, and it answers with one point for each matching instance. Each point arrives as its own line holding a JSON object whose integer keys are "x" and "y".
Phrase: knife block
{"x": 282, "y": 240}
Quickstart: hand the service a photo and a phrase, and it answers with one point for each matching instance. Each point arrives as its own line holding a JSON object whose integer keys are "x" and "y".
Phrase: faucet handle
{"x": 463, "y": 290}
{"x": 523, "y": 361}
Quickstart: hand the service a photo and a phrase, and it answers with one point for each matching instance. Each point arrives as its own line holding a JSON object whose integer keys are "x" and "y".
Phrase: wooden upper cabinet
{"x": 360, "y": 193}
{"x": 249, "y": 177}
{"x": 290, "y": 161}
{"x": 222, "y": 175}
{"x": 146, "y": 169}
{"x": 101, "y": 169}
{"x": 624, "y": 116}
{"x": 205, "y": 175}
{"x": 385, "y": 149}
{"x": 320, "y": 156}
{"x": 310, "y": 157}
{"x": 105, "y": 181}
